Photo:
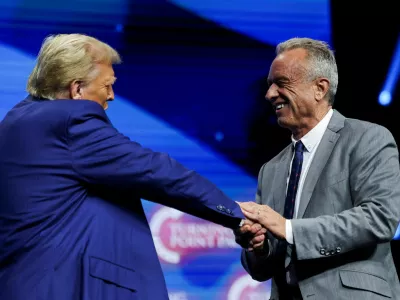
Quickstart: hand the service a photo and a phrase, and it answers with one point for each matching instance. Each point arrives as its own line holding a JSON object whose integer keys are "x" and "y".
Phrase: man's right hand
{"x": 250, "y": 236}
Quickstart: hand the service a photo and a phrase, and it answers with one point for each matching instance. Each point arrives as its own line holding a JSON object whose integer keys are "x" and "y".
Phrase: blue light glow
{"x": 385, "y": 97}
{"x": 267, "y": 21}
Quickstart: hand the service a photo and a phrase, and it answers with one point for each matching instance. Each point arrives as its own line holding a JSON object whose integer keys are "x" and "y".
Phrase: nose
{"x": 272, "y": 92}
{"x": 110, "y": 96}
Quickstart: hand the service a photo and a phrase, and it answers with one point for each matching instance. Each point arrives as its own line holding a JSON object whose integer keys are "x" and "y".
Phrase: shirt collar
{"x": 314, "y": 136}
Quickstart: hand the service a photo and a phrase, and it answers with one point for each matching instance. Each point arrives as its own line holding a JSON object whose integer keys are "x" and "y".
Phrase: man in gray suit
{"x": 330, "y": 201}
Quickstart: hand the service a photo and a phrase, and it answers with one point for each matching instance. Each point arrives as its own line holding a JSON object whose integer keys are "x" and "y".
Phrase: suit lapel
{"x": 320, "y": 159}
{"x": 282, "y": 172}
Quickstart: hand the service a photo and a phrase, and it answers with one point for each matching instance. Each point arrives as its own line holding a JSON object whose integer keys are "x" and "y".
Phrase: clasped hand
{"x": 260, "y": 219}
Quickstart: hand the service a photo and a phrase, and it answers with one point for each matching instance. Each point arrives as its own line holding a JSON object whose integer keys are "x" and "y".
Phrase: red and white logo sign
{"x": 173, "y": 236}
{"x": 245, "y": 288}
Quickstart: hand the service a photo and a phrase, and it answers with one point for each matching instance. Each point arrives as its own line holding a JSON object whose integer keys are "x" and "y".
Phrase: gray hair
{"x": 322, "y": 62}
{"x": 64, "y": 58}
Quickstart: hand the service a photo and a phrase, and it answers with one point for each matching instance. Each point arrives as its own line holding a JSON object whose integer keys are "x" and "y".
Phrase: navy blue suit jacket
{"x": 72, "y": 224}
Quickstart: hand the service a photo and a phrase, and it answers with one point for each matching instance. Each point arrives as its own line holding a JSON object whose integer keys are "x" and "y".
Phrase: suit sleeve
{"x": 263, "y": 267}
{"x": 103, "y": 156}
{"x": 375, "y": 190}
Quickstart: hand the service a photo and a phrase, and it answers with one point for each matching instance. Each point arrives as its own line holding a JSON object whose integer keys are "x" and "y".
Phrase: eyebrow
{"x": 277, "y": 79}
{"x": 111, "y": 80}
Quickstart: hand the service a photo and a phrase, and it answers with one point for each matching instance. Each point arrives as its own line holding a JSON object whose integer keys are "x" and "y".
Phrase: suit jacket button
{"x": 228, "y": 211}
{"x": 322, "y": 251}
{"x": 219, "y": 207}
{"x": 338, "y": 249}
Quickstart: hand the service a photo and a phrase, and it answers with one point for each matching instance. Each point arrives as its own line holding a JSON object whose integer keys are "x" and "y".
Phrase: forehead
{"x": 288, "y": 64}
{"x": 105, "y": 72}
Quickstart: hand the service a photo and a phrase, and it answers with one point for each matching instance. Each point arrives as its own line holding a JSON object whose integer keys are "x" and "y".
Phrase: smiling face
{"x": 295, "y": 98}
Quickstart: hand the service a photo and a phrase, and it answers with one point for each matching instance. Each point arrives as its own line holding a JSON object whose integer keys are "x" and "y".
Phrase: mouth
{"x": 279, "y": 106}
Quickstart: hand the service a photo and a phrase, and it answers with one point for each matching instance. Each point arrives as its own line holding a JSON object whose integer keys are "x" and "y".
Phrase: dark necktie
{"x": 294, "y": 180}
{"x": 293, "y": 184}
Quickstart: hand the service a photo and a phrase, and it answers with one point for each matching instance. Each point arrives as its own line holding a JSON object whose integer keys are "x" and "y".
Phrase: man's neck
{"x": 309, "y": 124}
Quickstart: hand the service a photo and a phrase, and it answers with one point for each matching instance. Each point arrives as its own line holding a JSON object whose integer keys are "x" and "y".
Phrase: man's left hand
{"x": 266, "y": 216}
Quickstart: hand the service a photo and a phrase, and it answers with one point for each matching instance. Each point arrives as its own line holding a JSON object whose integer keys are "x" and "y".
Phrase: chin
{"x": 283, "y": 122}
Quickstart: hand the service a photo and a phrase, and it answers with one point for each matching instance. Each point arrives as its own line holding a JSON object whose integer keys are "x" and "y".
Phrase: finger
{"x": 261, "y": 231}
{"x": 255, "y": 228}
{"x": 247, "y": 222}
{"x": 259, "y": 246}
{"x": 242, "y": 204}
{"x": 257, "y": 239}
{"x": 249, "y": 206}
{"x": 250, "y": 215}
{"x": 244, "y": 229}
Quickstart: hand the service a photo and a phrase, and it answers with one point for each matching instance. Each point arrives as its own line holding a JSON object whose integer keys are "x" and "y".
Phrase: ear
{"x": 321, "y": 88}
{"x": 75, "y": 90}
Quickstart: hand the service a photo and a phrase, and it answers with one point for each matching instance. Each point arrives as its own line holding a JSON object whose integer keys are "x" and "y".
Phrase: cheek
{"x": 90, "y": 92}
{"x": 101, "y": 94}
{"x": 106, "y": 93}
{"x": 285, "y": 95}
{"x": 291, "y": 99}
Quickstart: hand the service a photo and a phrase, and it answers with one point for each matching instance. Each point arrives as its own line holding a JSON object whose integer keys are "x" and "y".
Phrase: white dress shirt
{"x": 310, "y": 141}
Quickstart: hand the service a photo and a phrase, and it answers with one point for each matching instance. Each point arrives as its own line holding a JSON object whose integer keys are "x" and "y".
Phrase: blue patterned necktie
{"x": 294, "y": 180}
{"x": 295, "y": 172}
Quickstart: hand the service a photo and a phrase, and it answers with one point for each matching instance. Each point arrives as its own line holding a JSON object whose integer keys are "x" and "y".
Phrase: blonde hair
{"x": 65, "y": 58}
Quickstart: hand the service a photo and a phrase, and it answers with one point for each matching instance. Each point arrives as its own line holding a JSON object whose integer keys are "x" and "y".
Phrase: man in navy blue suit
{"x": 72, "y": 224}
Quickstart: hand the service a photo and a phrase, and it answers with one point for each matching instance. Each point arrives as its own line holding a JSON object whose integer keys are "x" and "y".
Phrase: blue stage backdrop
{"x": 190, "y": 85}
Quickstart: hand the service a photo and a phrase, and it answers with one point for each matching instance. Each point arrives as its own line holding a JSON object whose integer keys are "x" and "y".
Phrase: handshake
{"x": 260, "y": 219}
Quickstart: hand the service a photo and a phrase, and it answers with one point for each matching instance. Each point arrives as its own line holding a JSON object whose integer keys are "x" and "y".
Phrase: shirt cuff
{"x": 289, "y": 232}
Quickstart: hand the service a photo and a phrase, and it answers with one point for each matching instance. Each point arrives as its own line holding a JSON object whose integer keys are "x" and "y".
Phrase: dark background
{"x": 365, "y": 38}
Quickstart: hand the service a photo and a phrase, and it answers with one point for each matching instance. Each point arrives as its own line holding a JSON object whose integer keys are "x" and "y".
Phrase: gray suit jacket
{"x": 349, "y": 211}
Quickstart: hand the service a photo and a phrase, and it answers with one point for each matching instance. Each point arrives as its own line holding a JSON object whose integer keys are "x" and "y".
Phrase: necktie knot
{"x": 299, "y": 147}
